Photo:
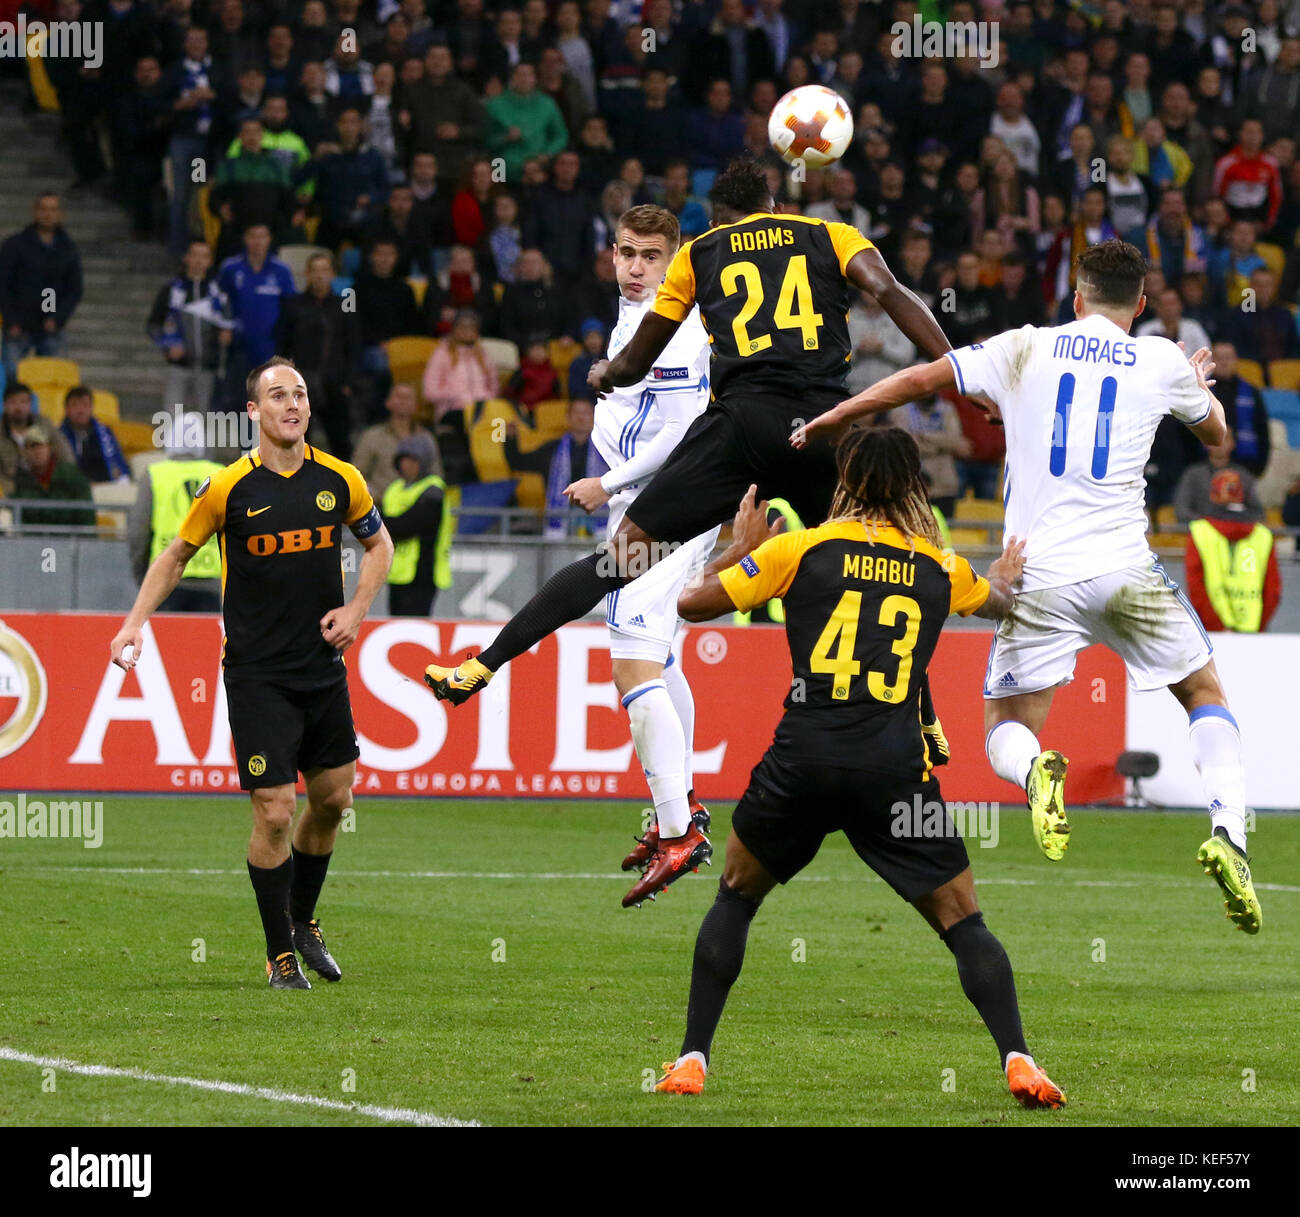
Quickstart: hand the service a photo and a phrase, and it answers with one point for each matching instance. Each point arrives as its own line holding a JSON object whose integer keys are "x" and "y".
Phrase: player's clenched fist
{"x": 750, "y": 527}
{"x": 598, "y": 378}
{"x": 126, "y": 647}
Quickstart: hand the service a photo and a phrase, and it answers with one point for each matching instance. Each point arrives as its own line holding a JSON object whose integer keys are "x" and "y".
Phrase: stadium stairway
{"x": 106, "y": 335}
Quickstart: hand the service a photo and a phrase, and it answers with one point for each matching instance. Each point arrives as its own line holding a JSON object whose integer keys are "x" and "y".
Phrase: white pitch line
{"x": 623, "y": 878}
{"x": 394, "y": 1115}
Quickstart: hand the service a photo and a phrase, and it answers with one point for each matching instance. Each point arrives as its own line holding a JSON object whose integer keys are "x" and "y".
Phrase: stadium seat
{"x": 114, "y": 494}
{"x": 340, "y": 284}
{"x": 1166, "y": 516}
{"x": 562, "y": 352}
{"x": 498, "y": 292}
{"x": 1284, "y": 374}
{"x": 702, "y": 182}
{"x": 407, "y": 358}
{"x": 39, "y": 79}
{"x": 141, "y": 460}
{"x": 418, "y": 288}
{"x": 106, "y": 407}
{"x": 136, "y": 439}
{"x": 1273, "y": 255}
{"x": 210, "y": 220}
{"x": 488, "y": 452}
{"x": 549, "y": 417}
{"x": 350, "y": 260}
{"x": 1251, "y": 371}
{"x": 482, "y": 494}
{"x": 968, "y": 538}
{"x": 296, "y": 257}
{"x": 503, "y": 354}
{"x": 973, "y": 510}
{"x": 1284, "y": 405}
{"x": 531, "y": 491}
{"x": 49, "y": 379}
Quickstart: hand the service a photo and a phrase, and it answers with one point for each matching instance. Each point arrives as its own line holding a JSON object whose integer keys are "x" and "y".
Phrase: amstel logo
{"x": 22, "y": 690}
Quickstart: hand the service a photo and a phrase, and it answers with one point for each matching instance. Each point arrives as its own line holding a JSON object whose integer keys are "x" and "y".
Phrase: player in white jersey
{"x": 636, "y": 428}
{"x": 1081, "y": 403}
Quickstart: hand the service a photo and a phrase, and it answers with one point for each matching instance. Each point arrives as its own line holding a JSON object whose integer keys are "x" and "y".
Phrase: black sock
{"x": 271, "y": 887}
{"x": 985, "y": 974}
{"x": 719, "y": 954}
{"x": 564, "y": 597}
{"x": 308, "y": 878}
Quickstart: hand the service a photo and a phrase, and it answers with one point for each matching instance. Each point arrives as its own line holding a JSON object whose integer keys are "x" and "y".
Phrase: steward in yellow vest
{"x": 419, "y": 519}
{"x": 166, "y": 492}
{"x": 1232, "y": 574}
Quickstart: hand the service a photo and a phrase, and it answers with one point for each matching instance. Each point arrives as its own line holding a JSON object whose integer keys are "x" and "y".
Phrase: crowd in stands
{"x": 461, "y": 165}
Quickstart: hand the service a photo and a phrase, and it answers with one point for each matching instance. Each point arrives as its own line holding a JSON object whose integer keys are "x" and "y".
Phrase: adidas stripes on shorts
{"x": 1139, "y": 613}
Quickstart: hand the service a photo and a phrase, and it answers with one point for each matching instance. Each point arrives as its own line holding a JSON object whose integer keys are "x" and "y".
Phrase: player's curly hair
{"x": 880, "y": 479}
{"x": 742, "y": 187}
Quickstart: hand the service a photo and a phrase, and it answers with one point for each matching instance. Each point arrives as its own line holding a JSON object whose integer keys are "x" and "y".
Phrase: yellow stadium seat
{"x": 495, "y": 408}
{"x": 207, "y": 217}
{"x": 1273, "y": 517}
{"x": 968, "y": 538}
{"x": 549, "y": 416}
{"x": 39, "y": 79}
{"x": 418, "y": 288}
{"x": 1274, "y": 255}
{"x": 1251, "y": 371}
{"x": 106, "y": 407}
{"x": 562, "y": 352}
{"x": 1284, "y": 374}
{"x": 977, "y": 509}
{"x": 135, "y": 438}
{"x": 498, "y": 292}
{"x": 531, "y": 491}
{"x": 1166, "y": 515}
{"x": 488, "y": 453}
{"x": 50, "y": 379}
{"x": 408, "y": 356}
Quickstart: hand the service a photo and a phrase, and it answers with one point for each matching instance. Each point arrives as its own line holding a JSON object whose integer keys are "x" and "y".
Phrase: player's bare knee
{"x": 273, "y": 812}
{"x": 328, "y": 810}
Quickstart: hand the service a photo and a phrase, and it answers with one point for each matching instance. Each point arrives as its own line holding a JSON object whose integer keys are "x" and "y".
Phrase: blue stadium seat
{"x": 482, "y": 494}
{"x": 702, "y": 182}
{"x": 340, "y": 283}
{"x": 1284, "y": 405}
{"x": 350, "y": 262}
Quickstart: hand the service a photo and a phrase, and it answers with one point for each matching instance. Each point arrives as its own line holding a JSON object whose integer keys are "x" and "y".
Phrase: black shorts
{"x": 280, "y": 729}
{"x": 740, "y": 440}
{"x": 789, "y": 810}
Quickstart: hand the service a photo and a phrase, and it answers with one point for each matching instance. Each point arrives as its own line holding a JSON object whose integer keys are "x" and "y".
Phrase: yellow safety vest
{"x": 944, "y": 535}
{"x": 1234, "y": 573}
{"x": 173, "y": 484}
{"x": 775, "y": 609}
{"x": 399, "y": 498}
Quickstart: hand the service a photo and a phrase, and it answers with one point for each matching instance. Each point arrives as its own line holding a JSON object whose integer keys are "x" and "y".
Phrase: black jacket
{"x": 320, "y": 336}
{"x": 385, "y": 308}
{"x": 28, "y": 267}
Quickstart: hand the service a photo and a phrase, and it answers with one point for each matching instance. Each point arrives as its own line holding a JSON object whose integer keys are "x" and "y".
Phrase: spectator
{"x": 842, "y": 206}
{"x": 879, "y": 347}
{"x": 94, "y": 446}
{"x": 1135, "y": 104}
{"x": 598, "y": 158}
{"x": 240, "y": 101}
{"x": 917, "y": 271}
{"x": 523, "y": 122}
{"x": 535, "y": 380}
{"x": 16, "y": 424}
{"x": 1073, "y": 172}
{"x": 444, "y": 115}
{"x": 471, "y": 207}
{"x": 733, "y": 50}
{"x": 891, "y": 208}
{"x": 1172, "y": 243}
{"x": 1182, "y": 129}
{"x": 40, "y": 284}
{"x": 459, "y": 373}
{"x": 421, "y": 525}
{"x": 376, "y": 448}
{"x": 254, "y": 287}
{"x": 191, "y": 86}
{"x": 185, "y": 323}
{"x": 597, "y": 295}
{"x": 386, "y": 136}
{"x": 431, "y": 208}
{"x": 975, "y": 308}
{"x": 323, "y": 338}
{"x": 1248, "y": 180}
{"x": 1267, "y": 333}
{"x": 937, "y": 430}
{"x": 717, "y": 132}
{"x": 44, "y": 474}
{"x": 1007, "y": 203}
{"x": 591, "y": 334}
{"x": 692, "y": 215}
{"x": 399, "y": 222}
{"x": 1130, "y": 197}
{"x": 555, "y": 81}
{"x": 1274, "y": 95}
{"x": 385, "y": 309}
{"x": 1230, "y": 268}
{"x": 1020, "y": 302}
{"x": 253, "y": 187}
{"x": 1214, "y": 107}
{"x": 530, "y": 306}
{"x": 559, "y": 221}
{"x": 351, "y": 181}
{"x": 1013, "y": 127}
{"x": 505, "y": 241}
{"x": 1170, "y": 323}
{"x": 315, "y": 39}
{"x": 82, "y": 97}
{"x": 347, "y": 75}
{"x": 561, "y": 462}
{"x": 141, "y": 129}
{"x": 1243, "y": 410}
{"x": 654, "y": 129}
{"x": 283, "y": 143}
{"x": 458, "y": 287}
{"x": 932, "y": 115}
{"x": 162, "y": 503}
{"x": 506, "y": 47}
{"x": 282, "y": 62}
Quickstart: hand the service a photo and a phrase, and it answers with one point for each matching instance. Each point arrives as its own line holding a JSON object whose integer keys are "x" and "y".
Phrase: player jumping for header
{"x": 1081, "y": 404}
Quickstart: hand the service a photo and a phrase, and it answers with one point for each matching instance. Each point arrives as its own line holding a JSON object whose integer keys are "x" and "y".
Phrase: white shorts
{"x": 1138, "y": 612}
{"x": 642, "y": 616}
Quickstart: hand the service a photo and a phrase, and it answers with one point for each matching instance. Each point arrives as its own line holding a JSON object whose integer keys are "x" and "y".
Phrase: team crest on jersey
{"x": 203, "y": 489}
{"x": 325, "y": 500}
{"x": 257, "y": 765}
{"x": 749, "y": 566}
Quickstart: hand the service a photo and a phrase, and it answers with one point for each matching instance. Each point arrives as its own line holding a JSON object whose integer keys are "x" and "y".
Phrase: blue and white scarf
{"x": 561, "y": 474}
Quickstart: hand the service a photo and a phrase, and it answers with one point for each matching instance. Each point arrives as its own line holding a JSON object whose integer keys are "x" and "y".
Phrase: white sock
{"x": 1216, "y": 751}
{"x": 692, "y": 1056}
{"x": 1011, "y": 1056}
{"x": 684, "y": 703}
{"x": 661, "y": 747}
{"x": 1011, "y": 748}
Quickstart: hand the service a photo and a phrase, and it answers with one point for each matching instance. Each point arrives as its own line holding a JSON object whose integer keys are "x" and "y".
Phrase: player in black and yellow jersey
{"x": 865, "y": 596}
{"x": 773, "y": 292}
{"x": 279, "y": 513}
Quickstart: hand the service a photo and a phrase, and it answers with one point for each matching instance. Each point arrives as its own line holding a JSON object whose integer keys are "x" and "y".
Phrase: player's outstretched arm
{"x": 160, "y": 581}
{"x": 340, "y": 627}
{"x": 868, "y": 271}
{"x": 1003, "y": 575}
{"x": 704, "y": 597}
{"x": 634, "y": 361}
{"x": 911, "y": 384}
{"x": 1212, "y": 429}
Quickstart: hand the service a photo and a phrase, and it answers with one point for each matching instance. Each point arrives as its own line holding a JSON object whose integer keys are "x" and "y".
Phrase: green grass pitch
{"x": 490, "y": 975}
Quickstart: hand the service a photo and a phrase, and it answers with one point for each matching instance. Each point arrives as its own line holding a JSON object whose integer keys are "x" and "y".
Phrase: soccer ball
{"x": 811, "y": 124}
